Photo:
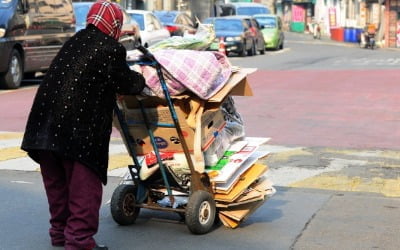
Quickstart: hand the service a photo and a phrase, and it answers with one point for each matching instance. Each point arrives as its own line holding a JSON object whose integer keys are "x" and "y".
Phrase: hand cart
{"x": 132, "y": 194}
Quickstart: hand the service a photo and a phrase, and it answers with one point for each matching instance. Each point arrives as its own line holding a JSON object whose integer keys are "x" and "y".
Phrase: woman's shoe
{"x": 100, "y": 247}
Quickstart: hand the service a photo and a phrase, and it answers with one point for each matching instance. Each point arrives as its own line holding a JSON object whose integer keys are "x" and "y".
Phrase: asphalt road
{"x": 294, "y": 218}
{"x": 331, "y": 110}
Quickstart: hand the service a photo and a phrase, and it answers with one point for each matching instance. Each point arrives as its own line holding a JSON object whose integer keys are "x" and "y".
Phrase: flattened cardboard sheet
{"x": 240, "y": 213}
{"x": 228, "y": 222}
{"x": 257, "y": 191}
{"x": 225, "y": 188}
{"x": 244, "y": 182}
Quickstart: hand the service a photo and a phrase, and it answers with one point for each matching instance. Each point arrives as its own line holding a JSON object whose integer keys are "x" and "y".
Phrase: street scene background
{"x": 332, "y": 111}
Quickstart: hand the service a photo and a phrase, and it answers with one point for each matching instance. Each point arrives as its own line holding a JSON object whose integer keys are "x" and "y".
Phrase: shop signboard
{"x": 392, "y": 31}
{"x": 398, "y": 35}
{"x": 298, "y": 13}
{"x": 332, "y": 17}
{"x": 363, "y": 14}
{"x": 375, "y": 14}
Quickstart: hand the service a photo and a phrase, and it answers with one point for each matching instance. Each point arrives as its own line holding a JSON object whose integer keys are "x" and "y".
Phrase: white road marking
{"x": 22, "y": 182}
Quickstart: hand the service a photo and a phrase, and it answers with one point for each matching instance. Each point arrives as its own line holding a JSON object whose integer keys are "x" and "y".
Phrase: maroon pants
{"x": 74, "y": 194}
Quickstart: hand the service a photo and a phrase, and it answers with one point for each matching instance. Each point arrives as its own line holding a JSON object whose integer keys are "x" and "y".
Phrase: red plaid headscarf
{"x": 107, "y": 17}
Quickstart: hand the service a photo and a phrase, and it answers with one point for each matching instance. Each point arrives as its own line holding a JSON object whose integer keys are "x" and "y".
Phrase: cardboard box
{"x": 167, "y": 138}
{"x": 237, "y": 85}
{"x": 212, "y": 122}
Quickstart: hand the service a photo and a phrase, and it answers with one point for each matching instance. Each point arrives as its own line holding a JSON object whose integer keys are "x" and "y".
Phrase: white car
{"x": 151, "y": 29}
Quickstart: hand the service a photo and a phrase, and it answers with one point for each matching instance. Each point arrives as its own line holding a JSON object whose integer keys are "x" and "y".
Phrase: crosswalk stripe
{"x": 11, "y": 153}
{"x": 388, "y": 187}
{"x": 23, "y": 164}
{"x": 13, "y": 158}
{"x": 119, "y": 161}
{"x": 10, "y": 135}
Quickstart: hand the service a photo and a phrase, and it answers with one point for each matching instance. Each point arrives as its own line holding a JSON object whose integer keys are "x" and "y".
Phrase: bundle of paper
{"x": 239, "y": 183}
{"x": 234, "y": 158}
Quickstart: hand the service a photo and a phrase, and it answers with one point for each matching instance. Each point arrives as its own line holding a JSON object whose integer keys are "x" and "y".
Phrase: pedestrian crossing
{"x": 13, "y": 158}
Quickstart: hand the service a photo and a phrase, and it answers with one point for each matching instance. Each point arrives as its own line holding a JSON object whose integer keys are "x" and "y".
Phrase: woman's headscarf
{"x": 107, "y": 17}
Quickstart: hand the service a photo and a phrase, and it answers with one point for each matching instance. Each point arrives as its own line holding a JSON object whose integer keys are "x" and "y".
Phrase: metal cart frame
{"x": 127, "y": 200}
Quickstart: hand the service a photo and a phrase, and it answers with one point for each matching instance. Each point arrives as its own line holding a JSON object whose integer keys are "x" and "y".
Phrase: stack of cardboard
{"x": 239, "y": 183}
{"x": 199, "y": 135}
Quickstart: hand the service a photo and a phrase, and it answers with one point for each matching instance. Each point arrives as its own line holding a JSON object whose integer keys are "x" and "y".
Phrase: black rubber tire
{"x": 262, "y": 51}
{"x": 13, "y": 77}
{"x": 255, "y": 49}
{"x": 250, "y": 52}
{"x": 137, "y": 43}
{"x": 200, "y": 212}
{"x": 123, "y": 205}
{"x": 30, "y": 75}
{"x": 243, "y": 52}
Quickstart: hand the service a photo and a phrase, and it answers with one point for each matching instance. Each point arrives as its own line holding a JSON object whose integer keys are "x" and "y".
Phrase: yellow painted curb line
{"x": 387, "y": 187}
{"x": 119, "y": 161}
{"x": 10, "y": 135}
{"x": 11, "y": 153}
{"x": 286, "y": 155}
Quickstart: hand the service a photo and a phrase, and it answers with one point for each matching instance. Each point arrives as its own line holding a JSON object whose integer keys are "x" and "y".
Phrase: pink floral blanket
{"x": 202, "y": 72}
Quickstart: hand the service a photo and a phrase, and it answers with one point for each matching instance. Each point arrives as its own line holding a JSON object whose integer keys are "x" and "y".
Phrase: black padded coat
{"x": 73, "y": 107}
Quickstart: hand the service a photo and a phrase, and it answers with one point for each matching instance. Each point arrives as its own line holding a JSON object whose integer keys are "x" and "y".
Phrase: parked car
{"x": 255, "y": 27}
{"x": 130, "y": 31}
{"x": 248, "y": 9}
{"x": 234, "y": 32}
{"x": 151, "y": 29}
{"x": 271, "y": 30}
{"x": 177, "y": 22}
{"x": 31, "y": 34}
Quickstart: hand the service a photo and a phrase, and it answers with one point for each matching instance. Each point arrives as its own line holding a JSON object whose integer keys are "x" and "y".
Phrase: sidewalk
{"x": 328, "y": 40}
{"x": 324, "y": 39}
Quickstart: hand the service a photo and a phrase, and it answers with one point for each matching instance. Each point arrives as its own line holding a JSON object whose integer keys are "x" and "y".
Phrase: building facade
{"x": 392, "y": 23}
{"x": 338, "y": 18}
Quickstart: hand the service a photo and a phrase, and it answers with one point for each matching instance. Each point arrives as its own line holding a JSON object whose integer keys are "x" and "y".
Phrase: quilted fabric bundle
{"x": 203, "y": 73}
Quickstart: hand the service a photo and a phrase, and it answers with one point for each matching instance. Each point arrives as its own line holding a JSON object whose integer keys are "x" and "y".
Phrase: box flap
{"x": 236, "y": 85}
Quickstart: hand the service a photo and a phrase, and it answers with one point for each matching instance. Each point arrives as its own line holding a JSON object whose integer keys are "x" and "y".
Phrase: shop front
{"x": 302, "y": 13}
{"x": 392, "y": 23}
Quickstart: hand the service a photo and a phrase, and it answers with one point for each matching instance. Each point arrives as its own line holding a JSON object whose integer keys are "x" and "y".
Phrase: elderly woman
{"x": 69, "y": 127}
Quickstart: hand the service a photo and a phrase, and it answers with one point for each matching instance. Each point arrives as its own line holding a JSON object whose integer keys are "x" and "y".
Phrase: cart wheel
{"x": 200, "y": 212}
{"x": 123, "y": 205}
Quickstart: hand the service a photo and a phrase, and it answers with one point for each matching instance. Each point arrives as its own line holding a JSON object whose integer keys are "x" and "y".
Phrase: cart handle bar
{"x": 146, "y": 53}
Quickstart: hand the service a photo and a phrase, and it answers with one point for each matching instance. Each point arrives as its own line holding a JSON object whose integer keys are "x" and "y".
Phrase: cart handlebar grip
{"x": 146, "y": 53}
